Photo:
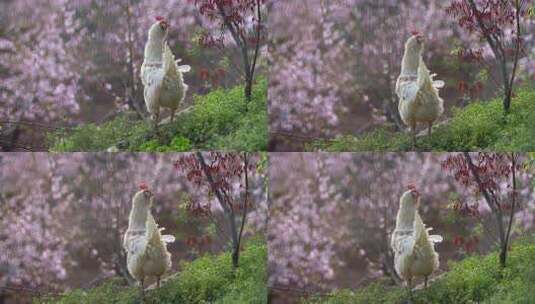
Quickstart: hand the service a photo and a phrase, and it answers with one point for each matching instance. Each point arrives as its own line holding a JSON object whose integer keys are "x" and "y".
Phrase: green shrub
{"x": 208, "y": 279}
{"x": 123, "y": 131}
{"x": 480, "y": 126}
{"x": 220, "y": 120}
{"x": 477, "y": 279}
{"x": 178, "y": 144}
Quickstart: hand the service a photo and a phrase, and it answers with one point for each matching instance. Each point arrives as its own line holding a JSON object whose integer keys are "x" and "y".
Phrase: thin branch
{"x": 513, "y": 202}
{"x": 258, "y": 30}
{"x": 495, "y": 209}
{"x": 246, "y": 199}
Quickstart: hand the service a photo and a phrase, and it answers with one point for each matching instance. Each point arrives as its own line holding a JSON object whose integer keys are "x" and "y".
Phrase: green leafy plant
{"x": 480, "y": 126}
{"x": 476, "y": 279}
{"x": 208, "y": 279}
{"x": 220, "y": 120}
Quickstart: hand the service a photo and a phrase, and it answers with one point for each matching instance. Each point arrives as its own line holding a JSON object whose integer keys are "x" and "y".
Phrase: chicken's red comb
{"x": 143, "y": 186}
{"x": 159, "y": 18}
{"x": 411, "y": 187}
{"x": 415, "y": 33}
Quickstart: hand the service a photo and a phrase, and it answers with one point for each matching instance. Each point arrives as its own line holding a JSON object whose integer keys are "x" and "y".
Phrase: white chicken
{"x": 161, "y": 75}
{"x": 414, "y": 248}
{"x": 146, "y": 249}
{"x": 419, "y": 101}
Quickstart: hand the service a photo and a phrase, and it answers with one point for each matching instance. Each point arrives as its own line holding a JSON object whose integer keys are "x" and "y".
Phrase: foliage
{"x": 72, "y": 218}
{"x": 501, "y": 24}
{"x": 208, "y": 279}
{"x": 335, "y": 71}
{"x": 178, "y": 144}
{"x": 65, "y": 61}
{"x": 219, "y": 120}
{"x": 329, "y": 212}
{"x": 477, "y": 279}
{"x": 494, "y": 177}
{"x": 225, "y": 176}
{"x": 243, "y": 21}
{"x": 480, "y": 126}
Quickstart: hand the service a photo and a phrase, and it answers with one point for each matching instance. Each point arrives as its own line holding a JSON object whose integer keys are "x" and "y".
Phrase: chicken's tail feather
{"x": 435, "y": 238}
{"x": 169, "y": 63}
{"x": 152, "y": 228}
{"x": 167, "y": 238}
{"x": 426, "y": 79}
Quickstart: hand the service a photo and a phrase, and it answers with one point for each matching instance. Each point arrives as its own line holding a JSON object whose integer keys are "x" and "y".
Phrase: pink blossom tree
{"x": 80, "y": 203}
{"x": 38, "y": 75}
{"x": 331, "y": 216}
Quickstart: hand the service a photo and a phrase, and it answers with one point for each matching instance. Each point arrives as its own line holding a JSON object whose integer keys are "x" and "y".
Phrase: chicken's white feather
{"x": 419, "y": 100}
{"x": 146, "y": 249}
{"x": 414, "y": 252}
{"x": 161, "y": 76}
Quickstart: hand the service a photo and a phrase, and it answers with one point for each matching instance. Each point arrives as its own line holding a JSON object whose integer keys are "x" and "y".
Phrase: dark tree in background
{"x": 242, "y": 19}
{"x": 225, "y": 176}
{"x": 494, "y": 177}
{"x": 500, "y": 24}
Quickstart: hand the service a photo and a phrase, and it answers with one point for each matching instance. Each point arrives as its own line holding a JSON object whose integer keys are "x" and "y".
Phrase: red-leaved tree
{"x": 492, "y": 177}
{"x": 500, "y": 24}
{"x": 225, "y": 176}
{"x": 242, "y": 19}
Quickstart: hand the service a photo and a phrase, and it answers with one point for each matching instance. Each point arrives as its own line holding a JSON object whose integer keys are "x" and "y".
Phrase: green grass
{"x": 480, "y": 126}
{"x": 220, "y": 120}
{"x": 477, "y": 279}
{"x": 209, "y": 279}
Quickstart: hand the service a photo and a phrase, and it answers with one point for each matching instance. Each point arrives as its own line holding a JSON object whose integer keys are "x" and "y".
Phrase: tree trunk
{"x": 227, "y": 210}
{"x": 235, "y": 257}
{"x": 248, "y": 89}
{"x": 507, "y": 100}
{"x": 503, "y": 255}
{"x": 235, "y": 240}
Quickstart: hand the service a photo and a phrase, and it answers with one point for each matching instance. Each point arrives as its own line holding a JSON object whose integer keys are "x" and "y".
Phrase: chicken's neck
{"x": 405, "y": 218}
{"x": 409, "y": 64}
{"x": 154, "y": 51}
{"x": 138, "y": 218}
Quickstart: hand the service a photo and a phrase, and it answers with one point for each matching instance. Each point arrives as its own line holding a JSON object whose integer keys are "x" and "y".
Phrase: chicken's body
{"x": 146, "y": 248}
{"x": 414, "y": 250}
{"x": 419, "y": 101}
{"x": 161, "y": 75}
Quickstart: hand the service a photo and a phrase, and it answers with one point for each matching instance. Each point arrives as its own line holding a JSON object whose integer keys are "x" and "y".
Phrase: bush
{"x": 209, "y": 279}
{"x": 477, "y": 279}
{"x": 220, "y": 120}
{"x": 480, "y": 126}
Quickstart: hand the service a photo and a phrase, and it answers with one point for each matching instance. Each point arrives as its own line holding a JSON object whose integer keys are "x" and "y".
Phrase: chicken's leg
{"x": 173, "y": 115}
{"x": 155, "y": 120}
{"x": 142, "y": 283}
{"x": 409, "y": 285}
{"x": 158, "y": 282}
{"x": 413, "y": 134}
{"x": 425, "y": 281}
{"x": 429, "y": 126}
